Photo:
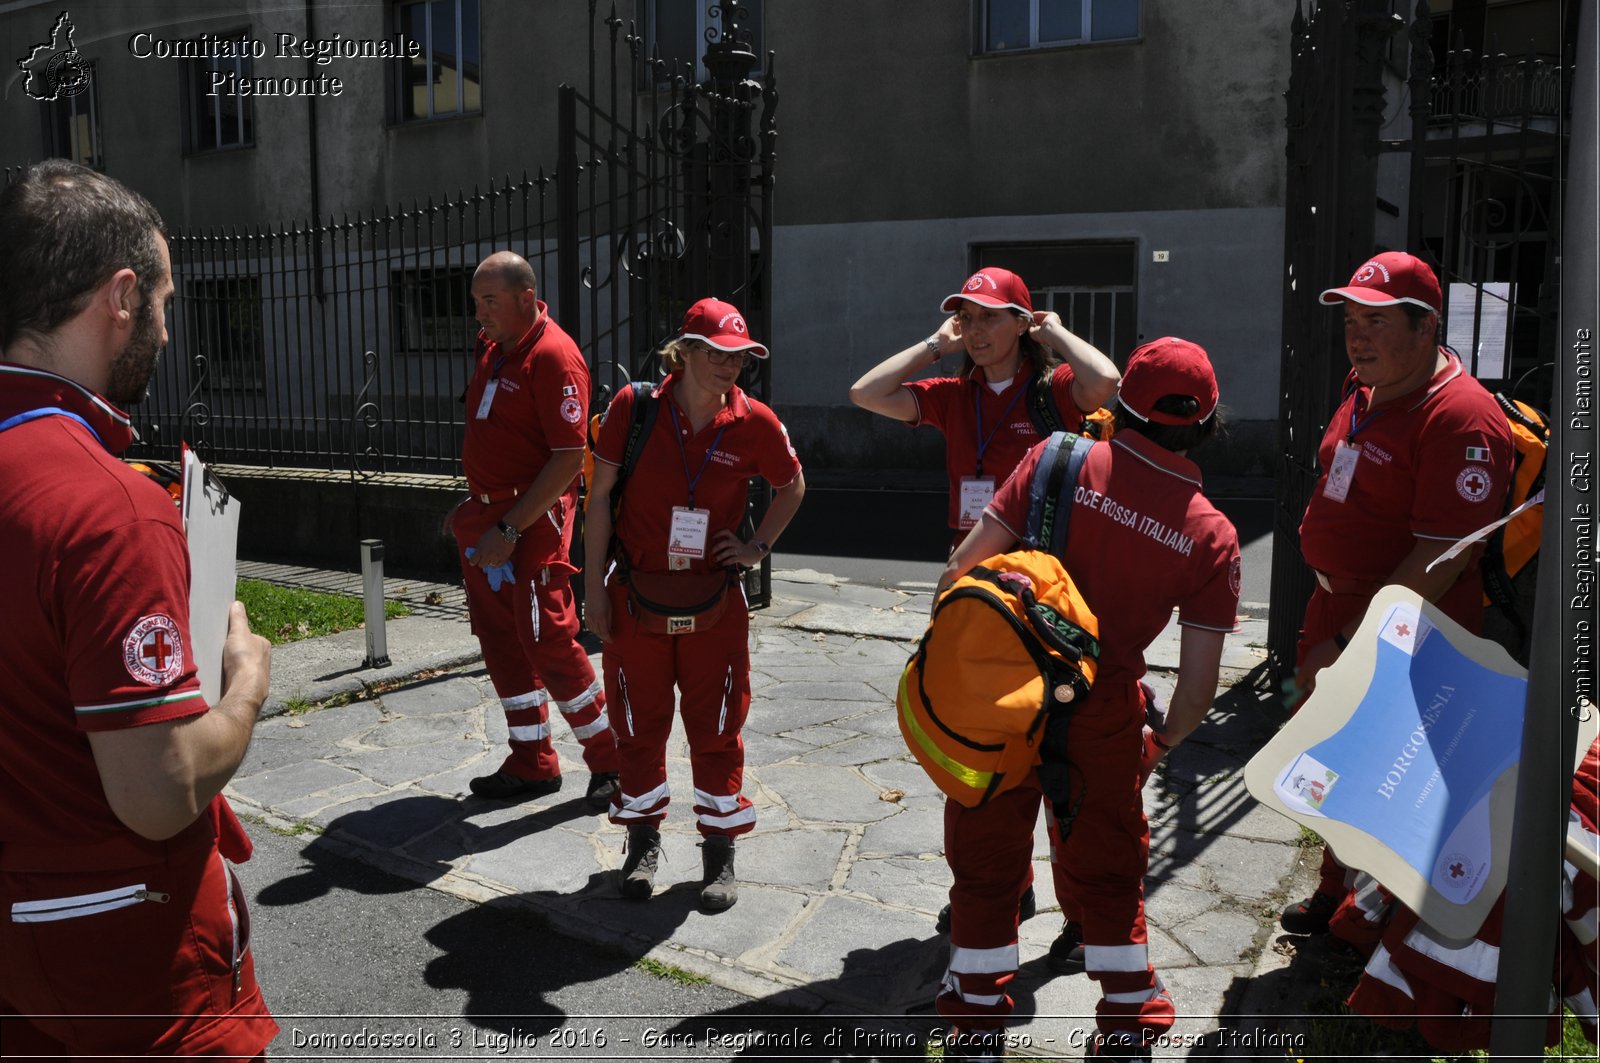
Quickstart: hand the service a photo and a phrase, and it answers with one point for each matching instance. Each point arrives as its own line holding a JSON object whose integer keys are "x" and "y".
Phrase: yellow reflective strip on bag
{"x": 978, "y": 780}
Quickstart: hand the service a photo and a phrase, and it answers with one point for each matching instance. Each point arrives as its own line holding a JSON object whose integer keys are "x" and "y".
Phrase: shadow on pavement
{"x": 412, "y": 826}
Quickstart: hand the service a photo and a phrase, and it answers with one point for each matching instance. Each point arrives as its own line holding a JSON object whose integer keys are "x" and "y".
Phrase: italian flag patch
{"x": 1477, "y": 454}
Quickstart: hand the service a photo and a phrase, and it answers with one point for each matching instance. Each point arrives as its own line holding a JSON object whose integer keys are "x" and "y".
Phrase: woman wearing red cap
{"x": 1142, "y": 541}
{"x": 667, "y": 601}
{"x": 1023, "y": 376}
{"x": 1022, "y": 370}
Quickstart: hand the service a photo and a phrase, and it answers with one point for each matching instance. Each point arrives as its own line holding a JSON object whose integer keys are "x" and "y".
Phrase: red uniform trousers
{"x": 1103, "y": 860}
{"x": 711, "y": 670}
{"x": 529, "y": 636}
{"x": 172, "y": 974}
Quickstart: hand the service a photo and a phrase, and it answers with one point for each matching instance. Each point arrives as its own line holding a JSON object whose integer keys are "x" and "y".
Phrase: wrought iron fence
{"x": 1496, "y": 87}
{"x": 342, "y": 346}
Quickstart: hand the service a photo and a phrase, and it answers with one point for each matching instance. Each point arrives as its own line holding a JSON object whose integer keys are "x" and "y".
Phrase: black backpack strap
{"x": 1062, "y": 486}
{"x": 1042, "y": 411}
{"x": 645, "y": 408}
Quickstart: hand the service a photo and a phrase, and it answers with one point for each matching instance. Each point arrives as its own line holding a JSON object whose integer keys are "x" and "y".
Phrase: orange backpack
{"x": 1011, "y": 649}
{"x": 1510, "y": 562}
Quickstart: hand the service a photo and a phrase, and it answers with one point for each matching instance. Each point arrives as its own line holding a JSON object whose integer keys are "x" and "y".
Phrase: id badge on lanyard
{"x": 686, "y": 541}
{"x": 976, "y": 493}
{"x": 1342, "y": 472}
{"x": 488, "y": 398}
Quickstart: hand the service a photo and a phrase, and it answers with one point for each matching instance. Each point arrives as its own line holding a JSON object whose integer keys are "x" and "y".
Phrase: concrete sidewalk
{"x": 843, "y": 875}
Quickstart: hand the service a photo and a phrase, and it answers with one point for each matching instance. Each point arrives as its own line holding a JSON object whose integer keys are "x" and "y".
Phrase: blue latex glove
{"x": 498, "y": 576}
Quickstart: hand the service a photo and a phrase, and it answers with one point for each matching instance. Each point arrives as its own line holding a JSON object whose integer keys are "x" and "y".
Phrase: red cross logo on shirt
{"x": 156, "y": 648}
{"x": 152, "y": 651}
{"x": 1475, "y": 484}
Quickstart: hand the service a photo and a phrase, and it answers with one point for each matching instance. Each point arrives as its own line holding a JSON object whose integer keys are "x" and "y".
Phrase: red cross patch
{"x": 1474, "y": 483}
{"x": 153, "y": 650}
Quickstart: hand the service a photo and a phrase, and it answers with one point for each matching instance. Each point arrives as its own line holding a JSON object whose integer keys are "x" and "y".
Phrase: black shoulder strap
{"x": 1061, "y": 486}
{"x": 645, "y": 408}
{"x": 1042, "y": 409}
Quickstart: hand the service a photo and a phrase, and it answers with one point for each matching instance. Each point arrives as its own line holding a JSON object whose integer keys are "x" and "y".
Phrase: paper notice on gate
{"x": 211, "y": 519}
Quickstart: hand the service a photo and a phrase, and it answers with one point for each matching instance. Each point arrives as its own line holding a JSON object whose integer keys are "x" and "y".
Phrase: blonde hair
{"x": 675, "y": 354}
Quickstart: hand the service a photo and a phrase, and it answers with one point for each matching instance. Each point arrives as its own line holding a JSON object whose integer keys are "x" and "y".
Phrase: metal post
{"x": 1561, "y": 684}
{"x": 372, "y": 602}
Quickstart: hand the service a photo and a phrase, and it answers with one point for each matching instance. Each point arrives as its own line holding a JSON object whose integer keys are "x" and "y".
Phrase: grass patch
{"x": 286, "y": 614}
{"x": 669, "y": 972}
{"x": 1309, "y": 839}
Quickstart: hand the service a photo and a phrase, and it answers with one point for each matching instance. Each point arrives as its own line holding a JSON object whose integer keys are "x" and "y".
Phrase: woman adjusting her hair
{"x": 1024, "y": 376}
{"x": 666, "y": 598}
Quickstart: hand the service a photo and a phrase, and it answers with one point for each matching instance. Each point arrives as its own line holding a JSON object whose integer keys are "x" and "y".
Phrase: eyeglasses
{"x": 737, "y": 359}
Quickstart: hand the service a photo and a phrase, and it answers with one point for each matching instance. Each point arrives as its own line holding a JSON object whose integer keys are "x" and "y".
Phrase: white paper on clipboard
{"x": 211, "y": 520}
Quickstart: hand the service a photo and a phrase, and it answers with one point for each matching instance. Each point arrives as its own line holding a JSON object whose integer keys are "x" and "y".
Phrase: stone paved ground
{"x": 841, "y": 880}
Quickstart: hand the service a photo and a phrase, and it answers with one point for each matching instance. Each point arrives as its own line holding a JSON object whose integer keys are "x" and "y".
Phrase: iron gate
{"x": 1481, "y": 183}
{"x": 661, "y": 208}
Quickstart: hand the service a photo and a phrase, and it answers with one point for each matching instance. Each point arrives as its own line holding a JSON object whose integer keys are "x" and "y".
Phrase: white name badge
{"x": 488, "y": 398}
{"x": 1342, "y": 471}
{"x": 687, "y": 539}
{"x": 976, "y": 493}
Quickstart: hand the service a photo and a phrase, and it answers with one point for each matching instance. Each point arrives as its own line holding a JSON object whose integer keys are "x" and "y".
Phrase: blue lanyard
{"x": 683, "y": 452}
{"x": 977, "y": 403}
{"x": 50, "y": 411}
{"x": 1350, "y": 439}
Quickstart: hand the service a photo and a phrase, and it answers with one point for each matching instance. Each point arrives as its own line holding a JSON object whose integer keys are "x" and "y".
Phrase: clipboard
{"x": 1405, "y": 759}
{"x": 211, "y": 522}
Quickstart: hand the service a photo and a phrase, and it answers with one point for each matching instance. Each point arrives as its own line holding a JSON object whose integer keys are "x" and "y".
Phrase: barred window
{"x": 1092, "y": 285}
{"x": 224, "y": 326}
{"x": 433, "y": 311}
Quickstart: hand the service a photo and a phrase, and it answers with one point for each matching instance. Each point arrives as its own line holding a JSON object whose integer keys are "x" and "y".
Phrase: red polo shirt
{"x": 96, "y": 618}
{"x": 540, "y": 404}
{"x": 1433, "y": 464}
{"x": 1143, "y": 540}
{"x": 749, "y": 441}
{"x": 955, "y": 405}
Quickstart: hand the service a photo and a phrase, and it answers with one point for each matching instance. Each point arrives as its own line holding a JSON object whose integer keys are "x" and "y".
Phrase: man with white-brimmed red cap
{"x": 667, "y": 599}
{"x": 1417, "y": 456}
{"x": 1142, "y": 541}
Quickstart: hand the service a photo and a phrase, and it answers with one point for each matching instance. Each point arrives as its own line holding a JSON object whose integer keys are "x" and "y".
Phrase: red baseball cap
{"x": 1168, "y": 366}
{"x": 993, "y": 286}
{"x": 1387, "y": 279}
{"x": 720, "y": 324}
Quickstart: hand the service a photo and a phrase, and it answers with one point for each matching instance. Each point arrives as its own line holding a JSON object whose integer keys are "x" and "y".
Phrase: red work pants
{"x": 528, "y": 632}
{"x": 1102, "y": 858}
{"x": 147, "y": 959}
{"x": 711, "y": 670}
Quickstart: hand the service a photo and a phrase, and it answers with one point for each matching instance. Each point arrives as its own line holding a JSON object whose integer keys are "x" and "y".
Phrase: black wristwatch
{"x": 511, "y": 534}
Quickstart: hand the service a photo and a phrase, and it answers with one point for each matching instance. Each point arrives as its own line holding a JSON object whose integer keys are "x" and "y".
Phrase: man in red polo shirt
{"x": 1417, "y": 456}
{"x": 1142, "y": 541}
{"x": 123, "y": 931}
{"x": 526, "y": 410}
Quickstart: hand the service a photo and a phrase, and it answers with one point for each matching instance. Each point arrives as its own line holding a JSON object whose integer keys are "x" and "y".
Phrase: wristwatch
{"x": 511, "y": 534}
{"x": 932, "y": 343}
{"x": 760, "y": 544}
